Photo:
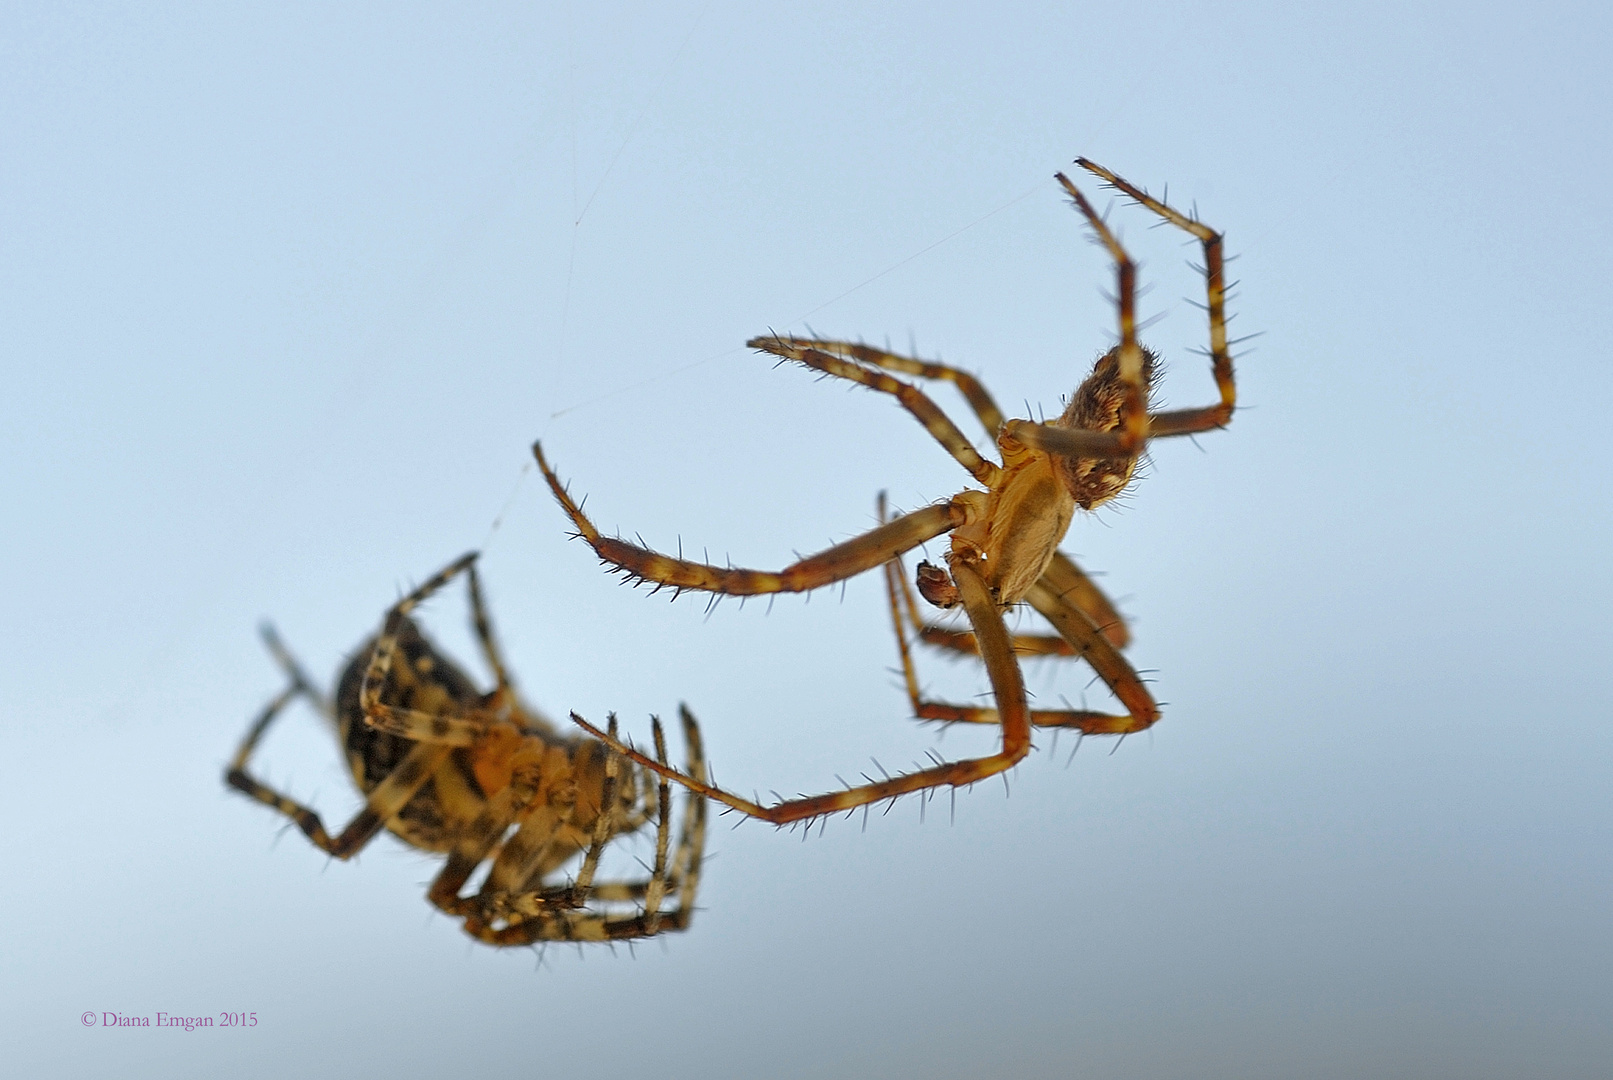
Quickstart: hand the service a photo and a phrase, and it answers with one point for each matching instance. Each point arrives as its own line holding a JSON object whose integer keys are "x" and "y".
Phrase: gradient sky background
{"x": 288, "y": 291}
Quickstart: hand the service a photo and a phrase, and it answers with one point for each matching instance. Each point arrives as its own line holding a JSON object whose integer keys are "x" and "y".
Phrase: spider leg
{"x": 383, "y": 802}
{"x": 837, "y": 563}
{"x": 386, "y": 646}
{"x": 679, "y": 874}
{"x": 300, "y": 682}
{"x": 963, "y": 641}
{"x": 900, "y": 596}
{"x": 979, "y": 399}
{"x": 602, "y": 821}
{"x": 914, "y": 400}
{"x": 471, "y": 846}
{"x": 905, "y": 613}
{"x": 655, "y": 887}
{"x": 1006, "y": 683}
{"x": 482, "y": 624}
{"x": 1132, "y": 433}
{"x": 1188, "y": 421}
{"x": 1071, "y": 582}
{"x": 1088, "y": 640}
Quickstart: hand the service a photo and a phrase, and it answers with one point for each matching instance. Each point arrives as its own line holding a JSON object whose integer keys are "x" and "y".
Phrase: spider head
{"x": 1097, "y": 405}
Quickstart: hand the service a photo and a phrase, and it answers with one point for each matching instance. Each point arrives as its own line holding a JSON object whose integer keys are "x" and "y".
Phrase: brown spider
{"x": 1004, "y": 540}
{"x": 483, "y": 777}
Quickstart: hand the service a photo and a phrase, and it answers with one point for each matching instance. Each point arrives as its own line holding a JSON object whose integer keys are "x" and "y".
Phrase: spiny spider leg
{"x": 546, "y": 922}
{"x": 1014, "y": 717}
{"x": 944, "y": 431}
{"x": 683, "y": 874}
{"x": 1132, "y": 433}
{"x": 837, "y": 563}
{"x": 1163, "y": 424}
{"x": 385, "y": 800}
{"x": 901, "y": 597}
{"x": 1188, "y": 421}
{"x": 979, "y": 399}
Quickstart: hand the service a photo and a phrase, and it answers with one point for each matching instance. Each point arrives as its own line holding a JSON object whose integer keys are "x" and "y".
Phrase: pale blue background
{"x": 285, "y": 294}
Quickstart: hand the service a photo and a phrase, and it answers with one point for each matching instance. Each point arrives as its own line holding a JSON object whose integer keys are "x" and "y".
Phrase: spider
{"x": 1004, "y": 540}
{"x": 485, "y": 778}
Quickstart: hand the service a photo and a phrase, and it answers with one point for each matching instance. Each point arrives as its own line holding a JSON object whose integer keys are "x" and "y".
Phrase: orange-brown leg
{"x": 978, "y": 397}
{"x": 539, "y": 920}
{"x": 914, "y": 400}
{"x": 1128, "y": 439}
{"x": 1013, "y": 715}
{"x": 900, "y": 597}
{"x": 1188, "y": 421}
{"x": 826, "y": 567}
{"x": 1076, "y": 627}
{"x": 1081, "y": 637}
{"x": 1072, "y": 583}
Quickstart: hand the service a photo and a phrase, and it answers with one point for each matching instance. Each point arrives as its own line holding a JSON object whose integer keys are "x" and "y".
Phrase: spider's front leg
{"x": 847, "y": 560}
{"x": 1137, "y": 425}
{"x": 1189, "y": 421}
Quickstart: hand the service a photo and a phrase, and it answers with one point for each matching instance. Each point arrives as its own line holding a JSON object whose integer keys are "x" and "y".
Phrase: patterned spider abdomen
{"x": 1096, "y": 405}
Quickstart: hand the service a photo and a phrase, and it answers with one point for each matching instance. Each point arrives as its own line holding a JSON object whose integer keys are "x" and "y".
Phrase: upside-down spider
{"x": 485, "y": 778}
{"x": 1004, "y": 540}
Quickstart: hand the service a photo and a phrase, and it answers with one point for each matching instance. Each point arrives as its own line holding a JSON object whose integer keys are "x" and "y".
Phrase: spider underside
{"x": 1003, "y": 544}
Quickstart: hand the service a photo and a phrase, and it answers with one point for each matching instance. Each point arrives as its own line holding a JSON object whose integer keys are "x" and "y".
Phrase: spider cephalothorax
{"x": 486, "y": 779}
{"x": 1004, "y": 535}
{"x": 1027, "y": 512}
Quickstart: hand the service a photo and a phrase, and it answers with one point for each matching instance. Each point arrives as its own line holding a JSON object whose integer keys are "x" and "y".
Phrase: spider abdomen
{"x": 1098, "y": 404}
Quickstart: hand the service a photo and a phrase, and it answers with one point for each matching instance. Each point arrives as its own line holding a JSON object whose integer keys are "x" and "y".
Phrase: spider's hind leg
{"x": 909, "y": 625}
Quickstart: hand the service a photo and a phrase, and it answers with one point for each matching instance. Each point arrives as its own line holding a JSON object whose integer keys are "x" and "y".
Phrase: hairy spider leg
{"x": 1109, "y": 664}
{"x": 1067, "y": 576}
{"x": 1189, "y": 421}
{"x": 383, "y": 801}
{"x": 805, "y": 352}
{"x": 1007, "y": 685}
{"x": 837, "y": 563}
{"x": 1132, "y": 434}
{"x": 679, "y": 874}
{"x": 1136, "y": 431}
